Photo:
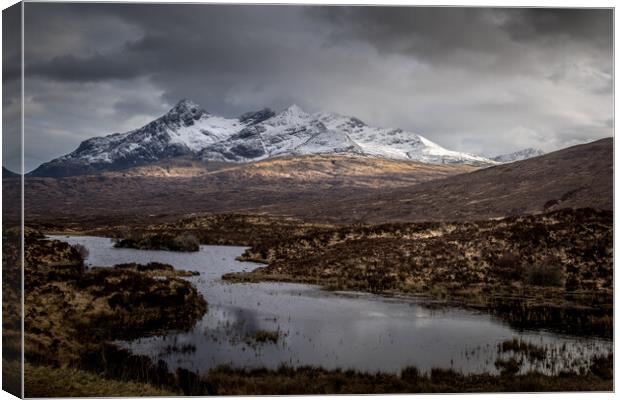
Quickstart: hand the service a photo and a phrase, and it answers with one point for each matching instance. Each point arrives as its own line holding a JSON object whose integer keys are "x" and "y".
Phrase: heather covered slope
{"x": 282, "y": 186}
{"x": 575, "y": 177}
{"x": 335, "y": 189}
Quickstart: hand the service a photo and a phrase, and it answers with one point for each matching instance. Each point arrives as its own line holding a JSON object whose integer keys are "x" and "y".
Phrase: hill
{"x": 333, "y": 188}
{"x": 575, "y": 177}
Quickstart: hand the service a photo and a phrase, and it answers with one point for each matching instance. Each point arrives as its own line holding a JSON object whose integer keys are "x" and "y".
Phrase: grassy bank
{"x": 310, "y": 380}
{"x": 73, "y": 315}
{"x": 71, "y": 310}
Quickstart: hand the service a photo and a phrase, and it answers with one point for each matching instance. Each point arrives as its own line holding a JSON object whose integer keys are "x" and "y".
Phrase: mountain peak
{"x": 186, "y": 104}
{"x": 293, "y": 116}
{"x": 294, "y": 109}
{"x": 185, "y": 112}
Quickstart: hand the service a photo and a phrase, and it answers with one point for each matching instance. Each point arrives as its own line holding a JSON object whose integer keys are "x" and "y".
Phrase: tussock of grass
{"x": 266, "y": 336}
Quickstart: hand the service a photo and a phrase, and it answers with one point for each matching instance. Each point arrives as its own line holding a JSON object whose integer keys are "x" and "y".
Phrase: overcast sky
{"x": 480, "y": 80}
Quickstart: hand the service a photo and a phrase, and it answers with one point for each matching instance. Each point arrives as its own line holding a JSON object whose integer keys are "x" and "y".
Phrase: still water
{"x": 328, "y": 329}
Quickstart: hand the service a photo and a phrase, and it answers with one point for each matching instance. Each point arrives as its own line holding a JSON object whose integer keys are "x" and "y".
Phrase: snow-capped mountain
{"x": 291, "y": 132}
{"x": 187, "y": 129}
{"x": 518, "y": 155}
{"x": 396, "y": 143}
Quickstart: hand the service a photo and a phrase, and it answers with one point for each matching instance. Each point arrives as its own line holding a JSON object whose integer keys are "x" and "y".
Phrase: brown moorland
{"x": 552, "y": 270}
{"x": 334, "y": 189}
{"x": 281, "y": 187}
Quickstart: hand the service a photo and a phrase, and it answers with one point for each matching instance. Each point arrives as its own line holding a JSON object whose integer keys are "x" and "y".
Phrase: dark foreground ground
{"x": 550, "y": 271}
{"x": 44, "y": 381}
{"x": 530, "y": 242}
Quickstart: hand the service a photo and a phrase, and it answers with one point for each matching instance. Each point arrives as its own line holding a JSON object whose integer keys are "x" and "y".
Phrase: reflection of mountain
{"x": 333, "y": 187}
{"x": 188, "y": 130}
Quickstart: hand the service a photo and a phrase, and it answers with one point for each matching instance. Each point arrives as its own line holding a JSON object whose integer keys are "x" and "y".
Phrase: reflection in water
{"x": 328, "y": 329}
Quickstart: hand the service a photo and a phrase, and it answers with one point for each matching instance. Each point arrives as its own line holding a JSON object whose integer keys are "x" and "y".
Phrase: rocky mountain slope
{"x": 189, "y": 130}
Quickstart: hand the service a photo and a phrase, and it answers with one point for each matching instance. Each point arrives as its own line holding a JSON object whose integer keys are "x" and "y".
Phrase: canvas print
{"x": 209, "y": 199}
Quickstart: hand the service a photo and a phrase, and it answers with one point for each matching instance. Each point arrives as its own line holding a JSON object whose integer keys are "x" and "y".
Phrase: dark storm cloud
{"x": 94, "y": 68}
{"x": 194, "y": 46}
{"x": 507, "y": 78}
{"x": 468, "y": 34}
{"x": 592, "y": 26}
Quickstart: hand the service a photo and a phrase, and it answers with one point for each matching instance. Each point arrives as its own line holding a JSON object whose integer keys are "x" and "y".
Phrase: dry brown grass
{"x": 45, "y": 381}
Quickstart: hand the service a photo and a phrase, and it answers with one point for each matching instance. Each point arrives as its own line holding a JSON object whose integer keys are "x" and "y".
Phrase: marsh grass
{"x": 311, "y": 380}
{"x": 517, "y": 346}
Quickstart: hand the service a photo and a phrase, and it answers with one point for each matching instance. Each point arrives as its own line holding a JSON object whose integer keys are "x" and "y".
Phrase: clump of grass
{"x": 603, "y": 366}
{"x": 547, "y": 273}
{"x": 509, "y": 266}
{"x": 508, "y": 367}
{"x": 81, "y": 250}
{"x": 183, "y": 349}
{"x": 264, "y": 336}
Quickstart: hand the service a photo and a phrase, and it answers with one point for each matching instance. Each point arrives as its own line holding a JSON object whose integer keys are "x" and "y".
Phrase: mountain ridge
{"x": 519, "y": 155}
{"x": 188, "y": 129}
